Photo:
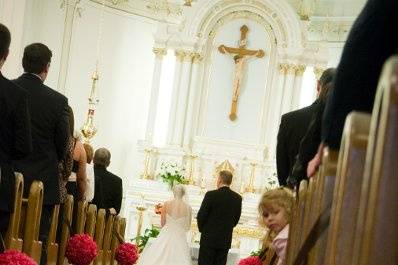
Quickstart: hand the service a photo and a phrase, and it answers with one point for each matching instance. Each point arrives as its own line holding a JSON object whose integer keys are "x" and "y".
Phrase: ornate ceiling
{"x": 327, "y": 20}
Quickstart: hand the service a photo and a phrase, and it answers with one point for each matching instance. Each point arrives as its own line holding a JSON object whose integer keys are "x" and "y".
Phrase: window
{"x": 164, "y": 100}
{"x": 308, "y": 89}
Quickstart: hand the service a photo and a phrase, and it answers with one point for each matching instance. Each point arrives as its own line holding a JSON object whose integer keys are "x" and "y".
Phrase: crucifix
{"x": 241, "y": 54}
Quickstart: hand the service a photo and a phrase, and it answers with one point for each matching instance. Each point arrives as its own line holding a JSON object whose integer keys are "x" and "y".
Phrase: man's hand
{"x": 112, "y": 211}
{"x": 314, "y": 164}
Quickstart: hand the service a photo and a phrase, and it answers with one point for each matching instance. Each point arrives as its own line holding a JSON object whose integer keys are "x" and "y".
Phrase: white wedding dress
{"x": 171, "y": 246}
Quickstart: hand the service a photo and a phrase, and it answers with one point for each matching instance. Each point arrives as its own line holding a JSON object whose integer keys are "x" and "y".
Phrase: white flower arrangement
{"x": 171, "y": 174}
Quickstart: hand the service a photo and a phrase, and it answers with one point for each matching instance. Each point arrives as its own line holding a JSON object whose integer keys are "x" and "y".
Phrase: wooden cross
{"x": 241, "y": 54}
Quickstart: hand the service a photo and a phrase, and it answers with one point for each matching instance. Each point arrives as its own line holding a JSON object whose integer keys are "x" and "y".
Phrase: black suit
{"x": 373, "y": 38}
{"x": 50, "y": 133}
{"x": 108, "y": 189}
{"x": 292, "y": 129}
{"x": 15, "y": 141}
{"x": 218, "y": 215}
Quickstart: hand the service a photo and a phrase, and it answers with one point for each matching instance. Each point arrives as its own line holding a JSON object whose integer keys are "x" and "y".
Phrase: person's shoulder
{"x": 12, "y": 88}
{"x": 55, "y": 94}
{"x": 236, "y": 195}
{"x": 115, "y": 177}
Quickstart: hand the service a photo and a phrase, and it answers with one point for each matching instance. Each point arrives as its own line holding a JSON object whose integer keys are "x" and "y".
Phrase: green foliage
{"x": 143, "y": 239}
{"x": 256, "y": 252}
{"x": 171, "y": 174}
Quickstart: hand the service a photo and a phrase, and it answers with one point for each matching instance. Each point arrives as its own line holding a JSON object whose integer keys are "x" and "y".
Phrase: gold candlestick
{"x": 191, "y": 171}
{"x": 141, "y": 210}
{"x": 147, "y": 163}
{"x": 250, "y": 188}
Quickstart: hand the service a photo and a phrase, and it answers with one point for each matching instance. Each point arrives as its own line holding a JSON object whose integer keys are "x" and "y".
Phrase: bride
{"x": 171, "y": 246}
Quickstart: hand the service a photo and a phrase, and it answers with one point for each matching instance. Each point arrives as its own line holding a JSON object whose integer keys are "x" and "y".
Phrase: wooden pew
{"x": 347, "y": 189}
{"x": 119, "y": 228}
{"x": 324, "y": 199}
{"x": 33, "y": 205}
{"x": 65, "y": 233}
{"x": 297, "y": 223}
{"x": 52, "y": 245}
{"x": 12, "y": 240}
{"x": 376, "y": 236}
{"x": 81, "y": 216}
{"x": 99, "y": 235}
{"x": 107, "y": 239}
{"x": 91, "y": 219}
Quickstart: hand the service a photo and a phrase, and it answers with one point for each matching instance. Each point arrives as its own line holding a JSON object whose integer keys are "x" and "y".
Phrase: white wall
{"x": 126, "y": 65}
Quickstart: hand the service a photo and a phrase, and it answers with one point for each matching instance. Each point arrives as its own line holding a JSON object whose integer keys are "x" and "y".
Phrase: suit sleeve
{"x": 118, "y": 197}
{"x": 23, "y": 138}
{"x": 238, "y": 212}
{"x": 203, "y": 211}
{"x": 62, "y": 131}
{"x": 282, "y": 159}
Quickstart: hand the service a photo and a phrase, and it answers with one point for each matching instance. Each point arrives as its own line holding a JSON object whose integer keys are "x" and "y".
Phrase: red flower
{"x": 81, "y": 250}
{"x": 255, "y": 260}
{"x": 126, "y": 254}
{"x": 14, "y": 257}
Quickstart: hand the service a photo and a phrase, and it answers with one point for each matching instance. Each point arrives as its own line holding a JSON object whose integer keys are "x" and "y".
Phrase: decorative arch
{"x": 276, "y": 15}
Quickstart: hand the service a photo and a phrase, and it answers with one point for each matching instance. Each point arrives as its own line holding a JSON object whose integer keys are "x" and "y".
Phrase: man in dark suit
{"x": 50, "y": 131}
{"x": 218, "y": 215}
{"x": 108, "y": 190}
{"x": 372, "y": 39}
{"x": 292, "y": 129}
{"x": 15, "y": 136}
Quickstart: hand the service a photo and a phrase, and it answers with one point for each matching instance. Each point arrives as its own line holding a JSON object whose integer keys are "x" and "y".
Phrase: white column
{"x": 275, "y": 116}
{"x": 157, "y": 70}
{"x": 288, "y": 88}
{"x": 12, "y": 15}
{"x": 193, "y": 94}
{"x": 181, "y": 109}
{"x": 70, "y": 6}
{"x": 174, "y": 98}
{"x": 298, "y": 81}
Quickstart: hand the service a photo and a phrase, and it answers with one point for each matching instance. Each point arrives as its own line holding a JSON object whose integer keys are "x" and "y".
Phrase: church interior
{"x": 180, "y": 90}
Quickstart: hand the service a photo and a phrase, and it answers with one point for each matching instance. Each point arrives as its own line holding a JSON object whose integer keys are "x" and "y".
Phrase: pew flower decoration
{"x": 252, "y": 260}
{"x": 172, "y": 174}
{"x": 81, "y": 249}
{"x": 15, "y": 257}
{"x": 126, "y": 254}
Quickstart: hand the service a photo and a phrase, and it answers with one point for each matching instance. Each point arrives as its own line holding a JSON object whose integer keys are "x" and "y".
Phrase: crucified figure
{"x": 241, "y": 54}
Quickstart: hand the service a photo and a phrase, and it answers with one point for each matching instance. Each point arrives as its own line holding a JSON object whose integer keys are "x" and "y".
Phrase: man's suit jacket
{"x": 15, "y": 136}
{"x": 292, "y": 129}
{"x": 50, "y": 133}
{"x": 218, "y": 215}
{"x": 372, "y": 39}
{"x": 108, "y": 189}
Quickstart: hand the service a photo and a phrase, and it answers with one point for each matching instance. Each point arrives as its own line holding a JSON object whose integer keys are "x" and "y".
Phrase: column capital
{"x": 197, "y": 57}
{"x": 283, "y": 67}
{"x": 300, "y": 69}
{"x": 180, "y": 55}
{"x": 318, "y": 71}
{"x": 159, "y": 52}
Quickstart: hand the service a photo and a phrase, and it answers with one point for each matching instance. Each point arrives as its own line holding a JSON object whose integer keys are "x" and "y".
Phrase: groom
{"x": 218, "y": 215}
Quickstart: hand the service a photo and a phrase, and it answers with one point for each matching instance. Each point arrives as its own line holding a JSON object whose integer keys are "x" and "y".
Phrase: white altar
{"x": 145, "y": 194}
